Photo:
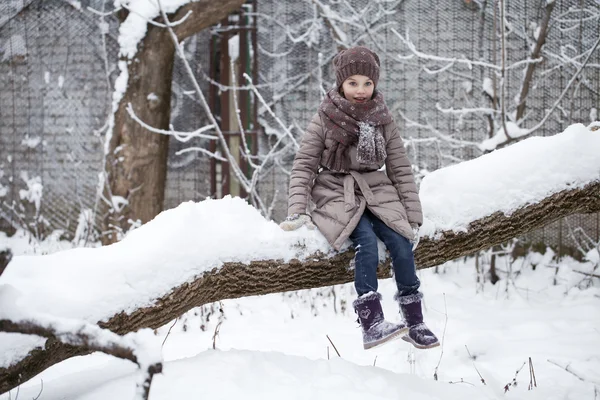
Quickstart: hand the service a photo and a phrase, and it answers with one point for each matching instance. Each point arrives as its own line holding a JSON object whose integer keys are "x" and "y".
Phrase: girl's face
{"x": 358, "y": 88}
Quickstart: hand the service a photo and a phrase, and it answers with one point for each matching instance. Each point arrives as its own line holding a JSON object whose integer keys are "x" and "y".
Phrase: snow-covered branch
{"x": 136, "y": 347}
{"x": 181, "y": 136}
{"x": 454, "y": 60}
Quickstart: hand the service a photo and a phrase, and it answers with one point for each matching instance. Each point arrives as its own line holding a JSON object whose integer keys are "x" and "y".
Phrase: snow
{"x": 16, "y": 346}
{"x": 95, "y": 283}
{"x": 33, "y": 193}
{"x": 467, "y": 86}
{"x": 135, "y": 26}
{"x": 234, "y": 47}
{"x": 31, "y": 142}
{"x": 499, "y": 138}
{"x": 488, "y": 87}
{"x": 15, "y": 46}
{"x": 3, "y": 189}
{"x": 508, "y": 179}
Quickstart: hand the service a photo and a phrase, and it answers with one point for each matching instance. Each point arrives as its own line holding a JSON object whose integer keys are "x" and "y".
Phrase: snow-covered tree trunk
{"x": 136, "y": 160}
{"x": 235, "y": 280}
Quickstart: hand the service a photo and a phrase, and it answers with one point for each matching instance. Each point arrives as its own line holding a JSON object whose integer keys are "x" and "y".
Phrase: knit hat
{"x": 357, "y": 60}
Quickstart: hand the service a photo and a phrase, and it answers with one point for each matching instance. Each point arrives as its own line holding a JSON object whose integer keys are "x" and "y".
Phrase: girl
{"x": 339, "y": 165}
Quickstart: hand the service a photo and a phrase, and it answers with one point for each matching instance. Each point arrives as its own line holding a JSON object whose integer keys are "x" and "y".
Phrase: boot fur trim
{"x": 366, "y": 297}
{"x": 411, "y": 298}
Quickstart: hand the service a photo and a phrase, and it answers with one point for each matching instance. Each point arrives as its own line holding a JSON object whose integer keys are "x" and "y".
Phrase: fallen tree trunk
{"x": 234, "y": 280}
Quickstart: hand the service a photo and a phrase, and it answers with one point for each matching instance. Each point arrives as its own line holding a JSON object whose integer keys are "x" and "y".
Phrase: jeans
{"x": 364, "y": 237}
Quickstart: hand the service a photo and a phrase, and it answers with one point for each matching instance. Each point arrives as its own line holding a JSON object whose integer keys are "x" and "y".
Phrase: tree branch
{"x": 541, "y": 39}
{"x": 204, "y": 14}
{"x": 82, "y": 338}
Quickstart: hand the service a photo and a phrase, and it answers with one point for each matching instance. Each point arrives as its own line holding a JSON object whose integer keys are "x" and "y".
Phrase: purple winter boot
{"x": 418, "y": 333}
{"x": 375, "y": 329}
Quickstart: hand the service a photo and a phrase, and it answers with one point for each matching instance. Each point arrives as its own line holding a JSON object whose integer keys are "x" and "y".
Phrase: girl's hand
{"x": 295, "y": 221}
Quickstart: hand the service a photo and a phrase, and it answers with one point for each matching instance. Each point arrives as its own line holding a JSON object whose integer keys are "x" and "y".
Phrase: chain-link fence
{"x": 57, "y": 64}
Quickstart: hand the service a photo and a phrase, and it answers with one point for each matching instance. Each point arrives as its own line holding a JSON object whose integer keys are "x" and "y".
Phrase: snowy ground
{"x": 276, "y": 346}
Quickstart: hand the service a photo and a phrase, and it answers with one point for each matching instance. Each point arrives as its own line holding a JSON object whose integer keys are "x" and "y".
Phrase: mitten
{"x": 295, "y": 221}
{"x": 416, "y": 237}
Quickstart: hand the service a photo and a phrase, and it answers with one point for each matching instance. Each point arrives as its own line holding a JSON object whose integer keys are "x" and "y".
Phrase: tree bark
{"x": 234, "y": 280}
{"x": 136, "y": 163}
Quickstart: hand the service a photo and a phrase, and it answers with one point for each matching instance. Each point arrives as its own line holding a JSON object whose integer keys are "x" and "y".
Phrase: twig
{"x": 41, "y": 389}
{"x": 514, "y": 381}
{"x": 375, "y": 361}
{"x": 565, "y": 90}
{"x": 470, "y": 63}
{"x": 270, "y": 110}
{"x": 532, "y": 381}
{"x": 218, "y": 327}
{"x": 336, "y": 350}
{"x": 586, "y": 273}
{"x": 566, "y": 368}
{"x": 461, "y": 381}
{"x": 169, "y": 332}
{"x": 103, "y": 14}
{"x": 180, "y": 136}
{"x": 435, "y": 373}
{"x": 473, "y": 361}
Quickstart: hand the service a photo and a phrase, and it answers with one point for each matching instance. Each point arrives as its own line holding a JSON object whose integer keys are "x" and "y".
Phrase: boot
{"x": 375, "y": 329}
{"x": 418, "y": 334}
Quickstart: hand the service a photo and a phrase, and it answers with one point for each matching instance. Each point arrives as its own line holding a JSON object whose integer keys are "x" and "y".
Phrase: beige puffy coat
{"x": 339, "y": 199}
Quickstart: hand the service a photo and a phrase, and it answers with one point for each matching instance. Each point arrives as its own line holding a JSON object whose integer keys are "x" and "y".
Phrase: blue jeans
{"x": 364, "y": 237}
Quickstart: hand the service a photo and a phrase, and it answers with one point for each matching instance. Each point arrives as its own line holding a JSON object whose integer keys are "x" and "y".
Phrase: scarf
{"x": 351, "y": 122}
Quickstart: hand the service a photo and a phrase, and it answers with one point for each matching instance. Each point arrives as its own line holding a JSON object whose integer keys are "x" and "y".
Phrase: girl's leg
{"x": 375, "y": 329}
{"x": 403, "y": 260}
{"x": 408, "y": 296}
{"x": 366, "y": 260}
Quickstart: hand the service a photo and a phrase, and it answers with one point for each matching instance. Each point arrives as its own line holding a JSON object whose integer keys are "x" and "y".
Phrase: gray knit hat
{"x": 357, "y": 60}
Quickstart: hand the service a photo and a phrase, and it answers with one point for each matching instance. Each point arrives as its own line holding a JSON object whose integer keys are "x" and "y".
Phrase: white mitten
{"x": 416, "y": 237}
{"x": 295, "y": 221}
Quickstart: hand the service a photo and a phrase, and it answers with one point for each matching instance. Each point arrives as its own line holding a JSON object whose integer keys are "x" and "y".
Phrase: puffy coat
{"x": 339, "y": 199}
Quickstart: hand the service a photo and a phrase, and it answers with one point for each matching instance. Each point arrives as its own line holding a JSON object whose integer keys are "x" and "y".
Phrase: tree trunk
{"x": 136, "y": 159}
{"x": 136, "y": 163}
{"x": 234, "y": 280}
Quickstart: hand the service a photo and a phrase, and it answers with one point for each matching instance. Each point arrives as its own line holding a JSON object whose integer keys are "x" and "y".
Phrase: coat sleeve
{"x": 305, "y": 167}
{"x": 399, "y": 171}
